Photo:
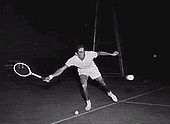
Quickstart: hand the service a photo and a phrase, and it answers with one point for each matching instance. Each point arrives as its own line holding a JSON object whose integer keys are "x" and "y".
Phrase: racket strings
{"x": 22, "y": 69}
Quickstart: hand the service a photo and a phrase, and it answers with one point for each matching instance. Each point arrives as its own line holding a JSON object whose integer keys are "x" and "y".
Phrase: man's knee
{"x": 84, "y": 86}
{"x": 83, "y": 80}
{"x": 101, "y": 81}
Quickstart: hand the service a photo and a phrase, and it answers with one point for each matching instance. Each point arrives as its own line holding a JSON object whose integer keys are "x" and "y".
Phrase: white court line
{"x": 148, "y": 104}
{"x": 68, "y": 118}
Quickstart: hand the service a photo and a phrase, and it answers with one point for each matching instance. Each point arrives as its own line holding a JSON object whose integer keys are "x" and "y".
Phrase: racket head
{"x": 22, "y": 69}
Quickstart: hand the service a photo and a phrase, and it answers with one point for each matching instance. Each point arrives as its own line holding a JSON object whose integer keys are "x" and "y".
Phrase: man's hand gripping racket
{"x": 47, "y": 79}
{"x": 115, "y": 53}
{"x": 56, "y": 73}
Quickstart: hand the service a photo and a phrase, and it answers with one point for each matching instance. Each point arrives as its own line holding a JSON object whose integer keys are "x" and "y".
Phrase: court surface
{"x": 30, "y": 102}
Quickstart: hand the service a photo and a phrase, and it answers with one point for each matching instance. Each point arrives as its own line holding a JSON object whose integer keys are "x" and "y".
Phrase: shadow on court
{"x": 33, "y": 102}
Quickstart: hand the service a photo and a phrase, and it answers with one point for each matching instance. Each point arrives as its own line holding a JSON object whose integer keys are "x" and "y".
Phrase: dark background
{"x": 46, "y": 31}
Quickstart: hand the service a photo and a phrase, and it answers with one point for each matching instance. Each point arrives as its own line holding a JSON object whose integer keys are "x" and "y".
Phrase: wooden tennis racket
{"x": 24, "y": 70}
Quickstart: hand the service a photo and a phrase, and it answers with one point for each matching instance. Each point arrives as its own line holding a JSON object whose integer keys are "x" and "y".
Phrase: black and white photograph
{"x": 84, "y": 62}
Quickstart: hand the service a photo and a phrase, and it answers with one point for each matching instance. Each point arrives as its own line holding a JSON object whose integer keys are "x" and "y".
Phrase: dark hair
{"x": 79, "y": 46}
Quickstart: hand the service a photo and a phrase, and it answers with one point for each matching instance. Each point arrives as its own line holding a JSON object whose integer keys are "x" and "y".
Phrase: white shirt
{"x": 86, "y": 63}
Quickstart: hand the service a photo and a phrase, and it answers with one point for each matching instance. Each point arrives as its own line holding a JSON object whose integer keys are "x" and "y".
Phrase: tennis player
{"x": 86, "y": 68}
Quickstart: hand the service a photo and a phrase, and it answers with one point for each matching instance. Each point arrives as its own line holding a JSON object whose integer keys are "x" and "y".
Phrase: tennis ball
{"x": 130, "y": 77}
{"x": 76, "y": 112}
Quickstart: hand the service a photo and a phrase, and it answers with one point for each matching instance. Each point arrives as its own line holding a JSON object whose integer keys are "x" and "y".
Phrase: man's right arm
{"x": 56, "y": 73}
{"x": 59, "y": 71}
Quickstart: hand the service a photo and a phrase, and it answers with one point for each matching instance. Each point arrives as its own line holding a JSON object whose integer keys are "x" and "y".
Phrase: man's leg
{"x": 104, "y": 86}
{"x": 83, "y": 80}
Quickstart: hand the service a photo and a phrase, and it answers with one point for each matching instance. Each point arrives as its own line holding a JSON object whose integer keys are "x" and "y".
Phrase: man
{"x": 86, "y": 67}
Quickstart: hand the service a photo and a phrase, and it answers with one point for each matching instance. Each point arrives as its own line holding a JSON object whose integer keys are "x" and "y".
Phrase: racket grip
{"x": 51, "y": 77}
{"x": 36, "y": 75}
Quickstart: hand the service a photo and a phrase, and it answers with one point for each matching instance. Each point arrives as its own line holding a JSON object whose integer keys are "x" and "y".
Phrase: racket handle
{"x": 36, "y": 75}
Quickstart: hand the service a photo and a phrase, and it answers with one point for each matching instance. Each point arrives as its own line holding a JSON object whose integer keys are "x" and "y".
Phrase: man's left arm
{"x": 102, "y": 53}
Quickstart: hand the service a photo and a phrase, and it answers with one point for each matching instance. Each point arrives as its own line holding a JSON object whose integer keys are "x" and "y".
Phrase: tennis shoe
{"x": 113, "y": 97}
{"x": 88, "y": 106}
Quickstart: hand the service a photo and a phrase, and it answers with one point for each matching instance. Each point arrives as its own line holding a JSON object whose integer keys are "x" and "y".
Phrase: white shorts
{"x": 93, "y": 72}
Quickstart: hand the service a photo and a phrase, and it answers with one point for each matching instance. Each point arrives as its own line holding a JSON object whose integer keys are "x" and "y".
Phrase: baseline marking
{"x": 148, "y": 104}
{"x": 121, "y": 101}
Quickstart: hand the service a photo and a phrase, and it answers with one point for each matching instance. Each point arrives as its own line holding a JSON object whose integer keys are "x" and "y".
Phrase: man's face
{"x": 81, "y": 53}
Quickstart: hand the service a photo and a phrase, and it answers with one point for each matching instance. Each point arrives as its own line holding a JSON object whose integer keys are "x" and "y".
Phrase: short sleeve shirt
{"x": 86, "y": 63}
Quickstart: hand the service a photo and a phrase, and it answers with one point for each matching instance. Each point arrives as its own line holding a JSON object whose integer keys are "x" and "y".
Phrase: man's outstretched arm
{"x": 56, "y": 73}
{"x": 102, "y": 53}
